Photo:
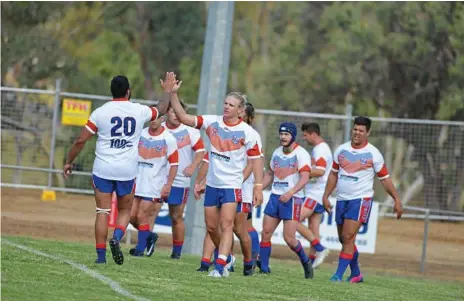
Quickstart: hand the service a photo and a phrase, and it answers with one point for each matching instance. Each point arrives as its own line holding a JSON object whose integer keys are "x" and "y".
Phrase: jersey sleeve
{"x": 203, "y": 121}
{"x": 196, "y": 141}
{"x": 304, "y": 161}
{"x": 91, "y": 124}
{"x": 379, "y": 166}
{"x": 149, "y": 113}
{"x": 319, "y": 160}
{"x": 335, "y": 163}
{"x": 173, "y": 154}
{"x": 260, "y": 144}
{"x": 251, "y": 145}
{"x": 206, "y": 158}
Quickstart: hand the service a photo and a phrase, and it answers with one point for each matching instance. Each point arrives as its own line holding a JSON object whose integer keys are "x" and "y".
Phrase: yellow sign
{"x": 75, "y": 112}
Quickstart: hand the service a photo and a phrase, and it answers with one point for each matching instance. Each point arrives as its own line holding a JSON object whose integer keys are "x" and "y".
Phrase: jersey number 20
{"x": 127, "y": 124}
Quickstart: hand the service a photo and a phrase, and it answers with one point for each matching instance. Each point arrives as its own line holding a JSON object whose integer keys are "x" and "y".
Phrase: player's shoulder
{"x": 344, "y": 146}
{"x": 301, "y": 150}
{"x": 168, "y": 135}
{"x": 373, "y": 149}
{"x": 323, "y": 147}
{"x": 190, "y": 130}
{"x": 278, "y": 151}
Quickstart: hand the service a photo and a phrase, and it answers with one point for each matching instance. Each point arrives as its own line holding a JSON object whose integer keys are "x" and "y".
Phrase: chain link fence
{"x": 425, "y": 157}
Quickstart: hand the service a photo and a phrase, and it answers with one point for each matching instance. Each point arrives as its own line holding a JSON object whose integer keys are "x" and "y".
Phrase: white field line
{"x": 111, "y": 283}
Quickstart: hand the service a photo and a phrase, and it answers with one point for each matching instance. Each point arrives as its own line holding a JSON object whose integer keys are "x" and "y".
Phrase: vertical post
{"x": 424, "y": 240}
{"x": 349, "y": 117}
{"x": 213, "y": 85}
{"x": 56, "y": 107}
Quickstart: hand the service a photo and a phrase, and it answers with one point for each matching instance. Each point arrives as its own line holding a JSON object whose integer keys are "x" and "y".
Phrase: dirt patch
{"x": 398, "y": 249}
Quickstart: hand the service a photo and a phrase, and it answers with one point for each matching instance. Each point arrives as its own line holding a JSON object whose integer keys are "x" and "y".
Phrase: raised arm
{"x": 167, "y": 84}
{"x": 183, "y": 117}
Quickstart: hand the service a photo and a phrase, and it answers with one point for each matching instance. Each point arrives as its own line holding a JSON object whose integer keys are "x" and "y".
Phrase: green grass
{"x": 29, "y": 277}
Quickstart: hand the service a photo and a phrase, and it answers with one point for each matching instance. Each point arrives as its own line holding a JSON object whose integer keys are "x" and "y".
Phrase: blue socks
{"x": 354, "y": 266}
{"x": 317, "y": 245}
{"x": 177, "y": 246}
{"x": 343, "y": 262}
{"x": 118, "y": 232}
{"x": 264, "y": 254}
{"x": 301, "y": 253}
{"x": 254, "y": 243}
{"x": 101, "y": 252}
{"x": 144, "y": 233}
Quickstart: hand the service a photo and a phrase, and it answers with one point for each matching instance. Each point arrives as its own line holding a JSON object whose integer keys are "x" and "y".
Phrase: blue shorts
{"x": 244, "y": 207}
{"x": 313, "y": 205}
{"x": 178, "y": 196}
{"x": 144, "y": 198}
{"x": 218, "y": 196}
{"x": 286, "y": 211}
{"x": 122, "y": 188}
{"x": 357, "y": 210}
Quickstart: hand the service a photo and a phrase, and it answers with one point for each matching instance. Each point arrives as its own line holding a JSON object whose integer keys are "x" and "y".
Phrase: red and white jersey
{"x": 321, "y": 158}
{"x": 287, "y": 168}
{"x": 155, "y": 152}
{"x": 118, "y": 124}
{"x": 356, "y": 168}
{"x": 247, "y": 187}
{"x": 189, "y": 142}
{"x": 231, "y": 145}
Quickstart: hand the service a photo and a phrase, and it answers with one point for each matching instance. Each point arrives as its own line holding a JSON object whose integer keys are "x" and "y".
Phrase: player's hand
{"x": 398, "y": 208}
{"x": 67, "y": 170}
{"x": 327, "y": 205}
{"x": 286, "y": 197}
{"x": 165, "y": 191}
{"x": 176, "y": 86}
{"x": 169, "y": 81}
{"x": 257, "y": 196}
{"x": 188, "y": 171}
{"x": 198, "y": 190}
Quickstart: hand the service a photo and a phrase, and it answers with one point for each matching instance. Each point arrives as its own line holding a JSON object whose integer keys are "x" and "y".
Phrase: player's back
{"x": 119, "y": 125}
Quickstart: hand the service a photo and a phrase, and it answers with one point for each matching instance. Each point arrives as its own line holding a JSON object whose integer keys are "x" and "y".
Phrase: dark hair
{"x": 311, "y": 127}
{"x": 362, "y": 120}
{"x": 119, "y": 86}
{"x": 183, "y": 104}
{"x": 249, "y": 110}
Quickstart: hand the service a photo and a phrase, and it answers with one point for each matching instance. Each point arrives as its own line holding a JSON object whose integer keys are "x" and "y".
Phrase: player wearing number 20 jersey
{"x": 118, "y": 124}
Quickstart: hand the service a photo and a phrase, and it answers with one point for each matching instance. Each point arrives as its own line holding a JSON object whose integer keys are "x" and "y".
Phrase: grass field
{"x": 28, "y": 276}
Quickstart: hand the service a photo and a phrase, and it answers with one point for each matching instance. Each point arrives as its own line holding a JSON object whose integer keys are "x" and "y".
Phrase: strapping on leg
{"x": 104, "y": 211}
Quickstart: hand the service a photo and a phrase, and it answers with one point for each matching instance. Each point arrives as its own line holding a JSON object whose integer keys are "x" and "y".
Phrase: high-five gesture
{"x": 169, "y": 82}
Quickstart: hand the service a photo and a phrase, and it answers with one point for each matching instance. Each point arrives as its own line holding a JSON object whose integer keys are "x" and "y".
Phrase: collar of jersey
{"x": 171, "y": 127}
{"x": 162, "y": 130}
{"x": 121, "y": 99}
{"x": 359, "y": 147}
{"x": 230, "y": 124}
{"x": 294, "y": 148}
